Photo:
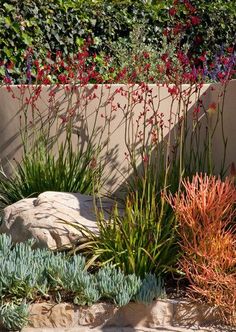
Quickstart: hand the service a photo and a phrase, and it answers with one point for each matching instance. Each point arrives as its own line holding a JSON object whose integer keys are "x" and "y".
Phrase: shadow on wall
{"x": 108, "y": 116}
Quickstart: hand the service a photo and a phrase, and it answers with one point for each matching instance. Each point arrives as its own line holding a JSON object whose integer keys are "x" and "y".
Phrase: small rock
{"x": 48, "y": 315}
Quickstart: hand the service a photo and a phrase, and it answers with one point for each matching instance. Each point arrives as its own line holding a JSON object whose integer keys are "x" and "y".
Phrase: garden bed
{"x": 145, "y": 122}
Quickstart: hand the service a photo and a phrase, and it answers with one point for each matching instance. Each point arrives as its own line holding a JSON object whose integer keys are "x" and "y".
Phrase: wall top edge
{"x": 107, "y": 84}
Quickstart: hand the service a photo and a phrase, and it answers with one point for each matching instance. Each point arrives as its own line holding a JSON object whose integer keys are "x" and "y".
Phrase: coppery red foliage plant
{"x": 206, "y": 214}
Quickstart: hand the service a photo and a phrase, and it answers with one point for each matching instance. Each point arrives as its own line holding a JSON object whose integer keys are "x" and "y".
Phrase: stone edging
{"x": 161, "y": 313}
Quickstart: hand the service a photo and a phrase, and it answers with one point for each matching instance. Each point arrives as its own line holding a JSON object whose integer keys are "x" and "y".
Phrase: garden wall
{"x": 112, "y": 116}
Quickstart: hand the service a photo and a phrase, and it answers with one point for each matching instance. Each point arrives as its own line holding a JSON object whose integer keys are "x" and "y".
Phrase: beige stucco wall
{"x": 226, "y": 127}
{"x": 105, "y": 114}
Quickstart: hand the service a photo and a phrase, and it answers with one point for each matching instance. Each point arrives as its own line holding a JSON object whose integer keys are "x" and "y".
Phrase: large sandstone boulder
{"x": 46, "y": 218}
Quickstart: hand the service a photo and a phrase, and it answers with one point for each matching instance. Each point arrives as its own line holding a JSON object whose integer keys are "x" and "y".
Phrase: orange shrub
{"x": 206, "y": 214}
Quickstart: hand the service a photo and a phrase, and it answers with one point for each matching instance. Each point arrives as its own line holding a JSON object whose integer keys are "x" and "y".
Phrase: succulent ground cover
{"x": 29, "y": 276}
{"x": 179, "y": 216}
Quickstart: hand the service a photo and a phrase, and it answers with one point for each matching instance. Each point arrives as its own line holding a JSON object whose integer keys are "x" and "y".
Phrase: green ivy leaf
{"x": 16, "y": 27}
{"x": 2, "y": 71}
{"x": 8, "y": 7}
{"x": 8, "y": 21}
{"x": 79, "y": 41}
{"x": 26, "y": 39}
{"x": 7, "y": 51}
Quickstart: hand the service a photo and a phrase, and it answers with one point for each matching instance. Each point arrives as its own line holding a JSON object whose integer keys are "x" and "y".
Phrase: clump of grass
{"x": 42, "y": 170}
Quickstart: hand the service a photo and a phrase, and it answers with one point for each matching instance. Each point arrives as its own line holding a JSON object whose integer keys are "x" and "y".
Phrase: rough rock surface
{"x": 117, "y": 329}
{"x": 46, "y": 218}
{"x": 161, "y": 315}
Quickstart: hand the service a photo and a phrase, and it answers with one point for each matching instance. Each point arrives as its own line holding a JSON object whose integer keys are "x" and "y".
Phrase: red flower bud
{"x": 195, "y": 20}
{"x": 172, "y": 11}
